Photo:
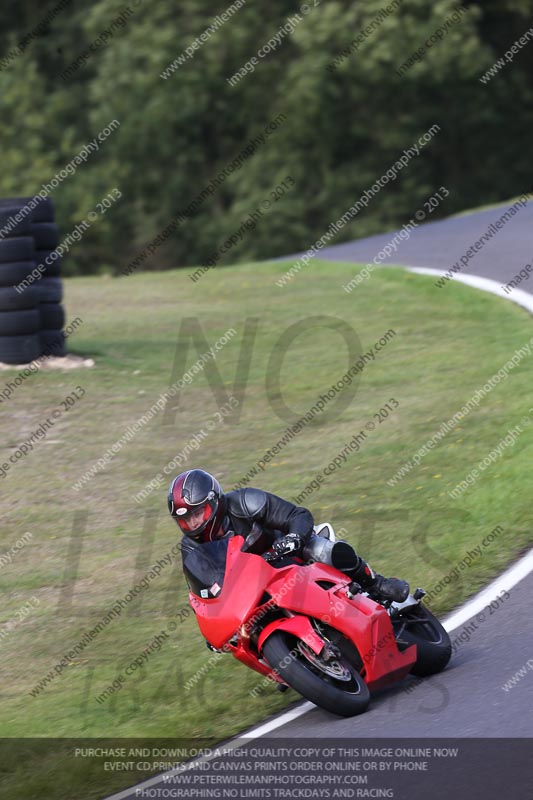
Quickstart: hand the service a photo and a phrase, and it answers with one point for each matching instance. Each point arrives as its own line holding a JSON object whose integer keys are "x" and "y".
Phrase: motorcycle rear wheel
{"x": 419, "y": 626}
{"x": 334, "y": 685}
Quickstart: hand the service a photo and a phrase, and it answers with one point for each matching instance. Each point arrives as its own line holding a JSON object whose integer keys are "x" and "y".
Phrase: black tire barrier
{"x": 9, "y": 227}
{"x": 21, "y": 248}
{"x": 52, "y": 316}
{"x": 20, "y": 349}
{"x": 44, "y": 212}
{"x": 52, "y": 269}
{"x": 11, "y": 300}
{"x": 11, "y": 274}
{"x": 32, "y": 318}
{"x": 46, "y": 235}
{"x": 53, "y": 343}
{"x": 16, "y": 323}
{"x": 51, "y": 290}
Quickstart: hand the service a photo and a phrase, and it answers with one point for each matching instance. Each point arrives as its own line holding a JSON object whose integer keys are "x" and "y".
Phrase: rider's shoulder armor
{"x": 247, "y": 503}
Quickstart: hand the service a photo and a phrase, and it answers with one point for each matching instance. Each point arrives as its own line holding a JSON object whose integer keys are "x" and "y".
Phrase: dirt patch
{"x": 51, "y": 362}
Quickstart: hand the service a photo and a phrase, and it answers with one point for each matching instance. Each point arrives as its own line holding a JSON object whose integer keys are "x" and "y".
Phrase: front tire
{"x": 334, "y": 685}
{"x": 419, "y": 626}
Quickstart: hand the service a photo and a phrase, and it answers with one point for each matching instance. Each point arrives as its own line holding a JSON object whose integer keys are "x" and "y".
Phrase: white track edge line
{"x": 484, "y": 284}
{"x": 504, "y": 582}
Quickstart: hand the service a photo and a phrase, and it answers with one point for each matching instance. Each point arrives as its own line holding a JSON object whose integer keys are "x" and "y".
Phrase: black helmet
{"x": 194, "y": 491}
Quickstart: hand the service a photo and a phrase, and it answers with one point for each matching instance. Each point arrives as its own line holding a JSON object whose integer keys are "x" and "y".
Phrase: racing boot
{"x": 376, "y": 585}
{"x": 390, "y": 589}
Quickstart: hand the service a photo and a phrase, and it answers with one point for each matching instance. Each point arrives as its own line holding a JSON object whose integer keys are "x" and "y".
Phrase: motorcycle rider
{"x": 204, "y": 513}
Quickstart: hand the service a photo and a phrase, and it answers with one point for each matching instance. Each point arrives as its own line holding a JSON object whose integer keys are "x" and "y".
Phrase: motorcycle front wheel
{"x": 333, "y": 684}
{"x": 417, "y": 625}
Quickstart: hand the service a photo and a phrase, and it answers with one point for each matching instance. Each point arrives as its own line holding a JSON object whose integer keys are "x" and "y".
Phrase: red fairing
{"x": 239, "y": 607}
{"x": 245, "y": 580}
{"x": 366, "y": 623}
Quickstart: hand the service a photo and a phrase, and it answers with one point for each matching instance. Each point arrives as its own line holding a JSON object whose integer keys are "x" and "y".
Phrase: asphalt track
{"x": 491, "y": 645}
{"x": 441, "y": 244}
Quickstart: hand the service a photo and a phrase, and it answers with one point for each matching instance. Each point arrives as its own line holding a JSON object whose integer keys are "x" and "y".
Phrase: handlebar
{"x": 273, "y": 556}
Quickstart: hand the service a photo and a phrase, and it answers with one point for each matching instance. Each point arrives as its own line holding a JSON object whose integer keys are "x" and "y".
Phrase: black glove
{"x": 390, "y": 588}
{"x": 287, "y": 544}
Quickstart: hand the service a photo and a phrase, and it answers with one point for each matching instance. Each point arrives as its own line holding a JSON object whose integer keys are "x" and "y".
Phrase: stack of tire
{"x": 20, "y": 320}
{"x": 46, "y": 236}
{"x": 31, "y": 316}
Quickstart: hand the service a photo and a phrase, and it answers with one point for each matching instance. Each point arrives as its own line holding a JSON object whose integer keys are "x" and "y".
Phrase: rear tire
{"x": 345, "y": 697}
{"x": 434, "y": 648}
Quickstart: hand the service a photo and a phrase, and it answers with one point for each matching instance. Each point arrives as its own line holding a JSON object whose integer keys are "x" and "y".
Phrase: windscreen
{"x": 204, "y": 568}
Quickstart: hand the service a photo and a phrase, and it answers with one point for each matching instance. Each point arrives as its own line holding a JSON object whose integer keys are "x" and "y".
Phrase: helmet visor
{"x": 193, "y": 520}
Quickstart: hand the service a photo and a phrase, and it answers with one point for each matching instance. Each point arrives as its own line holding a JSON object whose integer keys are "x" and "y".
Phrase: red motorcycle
{"x": 307, "y": 627}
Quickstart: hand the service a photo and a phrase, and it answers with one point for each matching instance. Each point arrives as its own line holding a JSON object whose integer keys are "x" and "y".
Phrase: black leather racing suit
{"x": 252, "y": 509}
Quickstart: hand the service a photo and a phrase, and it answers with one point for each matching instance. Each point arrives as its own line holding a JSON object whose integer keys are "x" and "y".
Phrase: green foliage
{"x": 344, "y": 126}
